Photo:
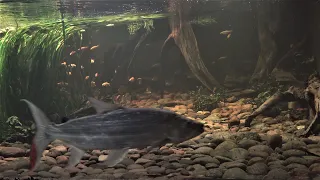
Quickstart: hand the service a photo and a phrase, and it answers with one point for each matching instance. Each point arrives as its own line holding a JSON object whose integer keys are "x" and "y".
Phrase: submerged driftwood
{"x": 182, "y": 35}
{"x": 309, "y": 95}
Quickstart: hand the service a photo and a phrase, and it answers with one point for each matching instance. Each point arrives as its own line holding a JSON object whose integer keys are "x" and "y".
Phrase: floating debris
{"x": 109, "y": 25}
{"x": 82, "y": 67}
{"x": 229, "y": 35}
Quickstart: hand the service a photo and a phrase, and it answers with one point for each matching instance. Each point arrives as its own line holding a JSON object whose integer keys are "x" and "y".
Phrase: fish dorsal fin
{"x": 101, "y": 106}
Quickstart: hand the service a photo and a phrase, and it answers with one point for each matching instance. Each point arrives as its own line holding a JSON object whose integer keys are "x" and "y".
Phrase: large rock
{"x": 278, "y": 174}
{"x": 12, "y": 152}
{"x": 235, "y": 173}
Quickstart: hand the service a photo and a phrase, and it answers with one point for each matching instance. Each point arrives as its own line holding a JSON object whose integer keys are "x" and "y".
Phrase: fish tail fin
{"x": 41, "y": 138}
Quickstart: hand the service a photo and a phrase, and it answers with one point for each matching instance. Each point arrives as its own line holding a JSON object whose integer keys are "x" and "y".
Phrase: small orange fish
{"x": 226, "y": 32}
{"x": 94, "y": 47}
{"x": 72, "y": 53}
{"x": 73, "y": 65}
{"x": 131, "y": 79}
{"x": 69, "y": 73}
{"x": 86, "y": 78}
{"x": 64, "y": 63}
{"x": 105, "y": 84}
{"x": 96, "y": 75}
{"x": 84, "y": 48}
{"x": 92, "y": 61}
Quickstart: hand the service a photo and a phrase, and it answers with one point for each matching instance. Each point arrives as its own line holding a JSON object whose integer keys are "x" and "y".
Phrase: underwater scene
{"x": 160, "y": 89}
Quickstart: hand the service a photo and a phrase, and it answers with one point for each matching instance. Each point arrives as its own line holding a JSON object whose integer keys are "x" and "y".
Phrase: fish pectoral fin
{"x": 75, "y": 157}
{"x": 116, "y": 156}
{"x": 101, "y": 106}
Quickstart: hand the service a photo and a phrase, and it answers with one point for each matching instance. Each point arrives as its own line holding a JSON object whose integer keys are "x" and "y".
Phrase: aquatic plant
{"x": 203, "y": 100}
{"x": 29, "y": 58}
{"x": 30, "y": 65}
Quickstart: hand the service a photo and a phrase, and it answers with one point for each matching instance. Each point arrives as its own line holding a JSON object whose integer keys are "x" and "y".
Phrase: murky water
{"x": 244, "y": 69}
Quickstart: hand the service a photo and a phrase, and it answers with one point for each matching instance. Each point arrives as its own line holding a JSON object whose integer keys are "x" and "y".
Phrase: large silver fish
{"x": 114, "y": 128}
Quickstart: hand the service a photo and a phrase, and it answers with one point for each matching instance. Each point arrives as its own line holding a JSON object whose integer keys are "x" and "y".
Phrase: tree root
{"x": 310, "y": 95}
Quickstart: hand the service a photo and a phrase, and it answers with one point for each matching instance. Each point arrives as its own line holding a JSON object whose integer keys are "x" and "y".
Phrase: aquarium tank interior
{"x": 160, "y": 89}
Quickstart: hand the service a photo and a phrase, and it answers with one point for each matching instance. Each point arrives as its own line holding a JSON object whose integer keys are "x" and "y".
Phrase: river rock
{"x": 12, "y": 152}
{"x": 235, "y": 173}
{"x": 278, "y": 174}
{"x": 258, "y": 168}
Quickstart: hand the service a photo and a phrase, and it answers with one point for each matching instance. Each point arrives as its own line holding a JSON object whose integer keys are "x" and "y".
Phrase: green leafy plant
{"x": 16, "y": 126}
{"x": 203, "y": 100}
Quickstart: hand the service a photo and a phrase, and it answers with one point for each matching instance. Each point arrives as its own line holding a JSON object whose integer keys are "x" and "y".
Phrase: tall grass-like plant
{"x": 29, "y": 62}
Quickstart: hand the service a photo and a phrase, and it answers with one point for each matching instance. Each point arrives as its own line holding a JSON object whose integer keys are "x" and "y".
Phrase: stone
{"x": 278, "y": 174}
{"x": 258, "y": 168}
{"x": 62, "y": 159}
{"x": 12, "y": 152}
{"x": 238, "y": 153}
{"x": 233, "y": 164}
{"x": 155, "y": 170}
{"x": 211, "y": 165}
{"x": 295, "y": 165}
{"x": 20, "y": 163}
{"x": 142, "y": 161}
{"x": 295, "y": 144}
{"x": 10, "y": 173}
{"x": 62, "y": 149}
{"x": 298, "y": 160}
{"x": 294, "y": 152}
{"x": 226, "y": 146}
{"x": 247, "y": 143}
{"x": 206, "y": 160}
{"x": 235, "y": 173}
{"x": 53, "y": 153}
{"x": 135, "y": 166}
{"x": 255, "y": 160}
{"x": 214, "y": 173}
{"x": 49, "y": 160}
{"x": 102, "y": 158}
{"x": 203, "y": 150}
{"x": 46, "y": 174}
{"x": 260, "y": 148}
